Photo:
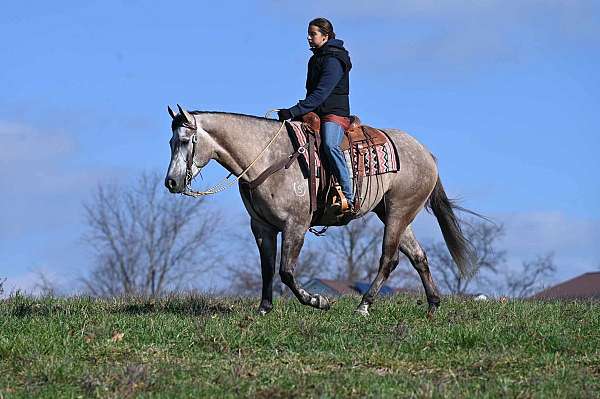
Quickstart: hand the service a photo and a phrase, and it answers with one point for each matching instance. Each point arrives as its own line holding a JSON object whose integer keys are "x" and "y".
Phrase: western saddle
{"x": 360, "y": 139}
{"x": 361, "y": 136}
{"x": 357, "y": 132}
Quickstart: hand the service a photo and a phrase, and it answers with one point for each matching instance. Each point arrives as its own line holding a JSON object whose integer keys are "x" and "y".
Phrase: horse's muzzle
{"x": 172, "y": 185}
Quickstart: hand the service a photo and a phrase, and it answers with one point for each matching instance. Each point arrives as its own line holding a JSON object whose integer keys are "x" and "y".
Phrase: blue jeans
{"x": 331, "y": 136}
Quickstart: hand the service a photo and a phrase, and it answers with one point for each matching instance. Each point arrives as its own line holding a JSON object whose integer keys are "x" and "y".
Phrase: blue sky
{"x": 506, "y": 94}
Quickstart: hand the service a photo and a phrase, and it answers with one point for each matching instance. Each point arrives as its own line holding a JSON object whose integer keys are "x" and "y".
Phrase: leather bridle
{"x": 225, "y": 183}
{"x": 190, "y": 158}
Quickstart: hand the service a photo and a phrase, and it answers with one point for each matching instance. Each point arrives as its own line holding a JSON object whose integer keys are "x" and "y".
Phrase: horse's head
{"x": 189, "y": 150}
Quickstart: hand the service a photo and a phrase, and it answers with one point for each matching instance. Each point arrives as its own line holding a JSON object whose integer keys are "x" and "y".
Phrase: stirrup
{"x": 340, "y": 201}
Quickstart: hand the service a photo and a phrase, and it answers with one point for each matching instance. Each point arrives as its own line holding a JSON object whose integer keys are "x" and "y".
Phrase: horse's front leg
{"x": 266, "y": 240}
{"x": 291, "y": 244}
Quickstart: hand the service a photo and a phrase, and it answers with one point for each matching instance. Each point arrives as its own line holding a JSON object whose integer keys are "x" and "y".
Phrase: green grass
{"x": 192, "y": 346}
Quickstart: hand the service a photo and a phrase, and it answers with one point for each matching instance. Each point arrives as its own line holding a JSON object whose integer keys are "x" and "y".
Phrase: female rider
{"x": 327, "y": 89}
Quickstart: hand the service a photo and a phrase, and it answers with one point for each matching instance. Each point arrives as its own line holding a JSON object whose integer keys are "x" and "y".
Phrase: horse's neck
{"x": 239, "y": 140}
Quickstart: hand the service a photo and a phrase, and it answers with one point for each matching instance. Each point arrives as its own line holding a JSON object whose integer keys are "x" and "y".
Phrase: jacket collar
{"x": 333, "y": 43}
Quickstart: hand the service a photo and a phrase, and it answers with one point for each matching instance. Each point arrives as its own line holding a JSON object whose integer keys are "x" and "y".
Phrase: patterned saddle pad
{"x": 364, "y": 157}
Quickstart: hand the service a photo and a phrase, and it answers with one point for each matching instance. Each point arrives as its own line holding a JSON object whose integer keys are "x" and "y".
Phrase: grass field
{"x": 193, "y": 346}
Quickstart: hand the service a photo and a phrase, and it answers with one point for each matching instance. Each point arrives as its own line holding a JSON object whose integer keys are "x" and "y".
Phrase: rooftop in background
{"x": 586, "y": 286}
{"x": 344, "y": 287}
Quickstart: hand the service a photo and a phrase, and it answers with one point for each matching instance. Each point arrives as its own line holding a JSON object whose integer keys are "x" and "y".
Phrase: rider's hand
{"x": 284, "y": 114}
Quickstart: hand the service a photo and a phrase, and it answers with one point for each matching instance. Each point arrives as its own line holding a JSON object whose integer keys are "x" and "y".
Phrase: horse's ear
{"x": 186, "y": 115}
{"x": 171, "y": 112}
{"x": 183, "y": 113}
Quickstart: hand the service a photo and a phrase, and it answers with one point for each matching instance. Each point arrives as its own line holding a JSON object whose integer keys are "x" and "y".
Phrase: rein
{"x": 223, "y": 184}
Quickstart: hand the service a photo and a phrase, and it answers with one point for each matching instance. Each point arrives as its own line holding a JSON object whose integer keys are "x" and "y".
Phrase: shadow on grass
{"x": 191, "y": 304}
{"x": 19, "y": 306}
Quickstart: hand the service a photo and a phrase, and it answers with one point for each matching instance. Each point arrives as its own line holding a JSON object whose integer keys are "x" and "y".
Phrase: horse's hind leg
{"x": 394, "y": 227}
{"x": 415, "y": 253}
{"x": 266, "y": 240}
{"x": 291, "y": 244}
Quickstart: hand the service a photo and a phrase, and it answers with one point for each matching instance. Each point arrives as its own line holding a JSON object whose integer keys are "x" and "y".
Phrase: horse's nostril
{"x": 171, "y": 184}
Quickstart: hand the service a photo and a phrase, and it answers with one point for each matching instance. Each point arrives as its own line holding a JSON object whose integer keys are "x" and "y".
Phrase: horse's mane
{"x": 261, "y": 118}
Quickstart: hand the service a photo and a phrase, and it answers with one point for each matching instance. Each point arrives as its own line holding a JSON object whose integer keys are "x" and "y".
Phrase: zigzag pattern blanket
{"x": 376, "y": 159}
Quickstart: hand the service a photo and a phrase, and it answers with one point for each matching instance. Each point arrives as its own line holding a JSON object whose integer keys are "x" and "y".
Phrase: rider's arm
{"x": 331, "y": 75}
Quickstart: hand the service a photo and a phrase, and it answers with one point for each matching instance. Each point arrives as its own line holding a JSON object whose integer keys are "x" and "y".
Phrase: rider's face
{"x": 315, "y": 38}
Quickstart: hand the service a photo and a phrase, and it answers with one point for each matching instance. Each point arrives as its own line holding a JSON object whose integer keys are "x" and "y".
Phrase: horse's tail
{"x": 460, "y": 248}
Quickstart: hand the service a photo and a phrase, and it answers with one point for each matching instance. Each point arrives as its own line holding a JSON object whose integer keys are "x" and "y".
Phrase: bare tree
{"x": 45, "y": 285}
{"x": 353, "y": 250}
{"x": 145, "y": 240}
{"x": 532, "y": 277}
{"x": 484, "y": 237}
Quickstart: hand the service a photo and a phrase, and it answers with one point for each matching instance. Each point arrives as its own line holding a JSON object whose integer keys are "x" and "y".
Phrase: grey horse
{"x": 281, "y": 203}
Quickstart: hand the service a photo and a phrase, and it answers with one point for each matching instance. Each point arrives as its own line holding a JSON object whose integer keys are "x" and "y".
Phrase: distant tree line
{"x": 146, "y": 241}
{"x": 352, "y": 253}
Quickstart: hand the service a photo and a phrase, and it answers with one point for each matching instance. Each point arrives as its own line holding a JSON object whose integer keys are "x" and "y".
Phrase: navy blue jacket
{"x": 327, "y": 82}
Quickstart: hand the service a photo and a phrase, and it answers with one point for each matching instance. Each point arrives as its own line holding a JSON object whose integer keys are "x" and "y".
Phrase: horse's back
{"x": 412, "y": 154}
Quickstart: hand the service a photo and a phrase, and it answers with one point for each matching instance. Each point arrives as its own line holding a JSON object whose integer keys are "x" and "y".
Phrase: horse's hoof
{"x": 263, "y": 311}
{"x": 323, "y": 302}
{"x": 431, "y": 311}
{"x": 363, "y": 309}
{"x": 320, "y": 302}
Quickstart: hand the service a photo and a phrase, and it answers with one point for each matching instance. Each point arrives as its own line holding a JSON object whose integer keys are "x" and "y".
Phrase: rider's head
{"x": 320, "y": 30}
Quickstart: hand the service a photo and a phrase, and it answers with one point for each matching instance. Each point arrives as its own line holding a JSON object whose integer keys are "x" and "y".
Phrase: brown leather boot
{"x": 339, "y": 200}
{"x": 350, "y": 210}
